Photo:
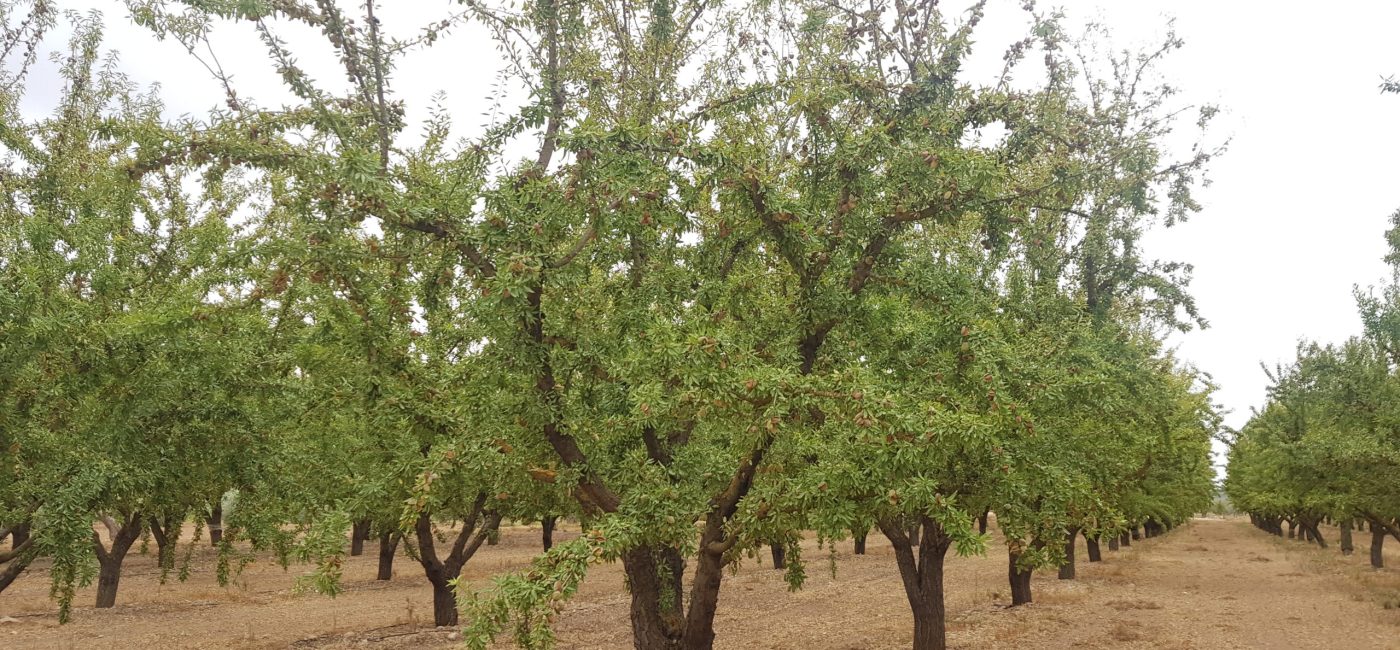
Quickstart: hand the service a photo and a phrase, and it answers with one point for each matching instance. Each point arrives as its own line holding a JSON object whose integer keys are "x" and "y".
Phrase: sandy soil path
{"x": 1212, "y": 584}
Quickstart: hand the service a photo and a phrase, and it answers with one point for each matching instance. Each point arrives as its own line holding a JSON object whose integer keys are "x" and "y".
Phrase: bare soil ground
{"x": 1212, "y": 584}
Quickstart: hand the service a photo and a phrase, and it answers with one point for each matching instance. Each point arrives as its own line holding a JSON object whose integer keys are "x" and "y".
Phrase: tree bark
{"x": 1020, "y": 580}
{"x": 779, "y": 556}
{"x": 359, "y": 532}
{"x": 982, "y": 523}
{"x": 922, "y": 575}
{"x": 547, "y": 534}
{"x": 1125, "y": 540}
{"x": 1346, "y": 543}
{"x": 476, "y": 527}
{"x": 166, "y": 534}
{"x": 388, "y": 545}
{"x": 19, "y": 535}
{"x": 110, "y": 561}
{"x": 15, "y": 561}
{"x": 1136, "y": 534}
{"x": 1315, "y": 534}
{"x": 1113, "y": 542}
{"x": 1377, "y": 546}
{"x": 216, "y": 524}
{"x": 860, "y": 543}
{"x": 1067, "y": 569}
{"x": 1092, "y": 543}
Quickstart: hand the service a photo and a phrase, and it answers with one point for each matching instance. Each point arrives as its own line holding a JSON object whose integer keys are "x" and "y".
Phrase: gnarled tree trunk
{"x": 476, "y": 527}
{"x": 1020, "y": 579}
{"x": 388, "y": 545}
{"x": 110, "y": 560}
{"x": 921, "y": 571}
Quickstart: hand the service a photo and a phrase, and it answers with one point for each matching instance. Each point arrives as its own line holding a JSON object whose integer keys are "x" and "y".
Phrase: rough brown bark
{"x": 1346, "y": 543}
{"x": 922, "y": 575}
{"x": 166, "y": 534}
{"x": 1067, "y": 569}
{"x": 359, "y": 532}
{"x": 1092, "y": 543}
{"x": 110, "y": 560}
{"x": 1377, "y": 546}
{"x": 476, "y": 526}
{"x": 388, "y": 545}
{"x": 547, "y": 533}
{"x": 779, "y": 556}
{"x": 1113, "y": 542}
{"x": 1020, "y": 580}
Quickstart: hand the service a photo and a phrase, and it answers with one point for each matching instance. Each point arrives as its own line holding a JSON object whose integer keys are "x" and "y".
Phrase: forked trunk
{"x": 388, "y": 545}
{"x": 166, "y": 534}
{"x": 1092, "y": 544}
{"x": 476, "y": 526}
{"x": 110, "y": 561}
{"x": 921, "y": 571}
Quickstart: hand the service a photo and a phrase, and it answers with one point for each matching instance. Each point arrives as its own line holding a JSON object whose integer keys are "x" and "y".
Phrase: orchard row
{"x": 713, "y": 277}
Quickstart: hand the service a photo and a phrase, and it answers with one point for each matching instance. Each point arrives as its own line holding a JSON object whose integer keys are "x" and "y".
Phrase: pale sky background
{"x": 1293, "y": 220}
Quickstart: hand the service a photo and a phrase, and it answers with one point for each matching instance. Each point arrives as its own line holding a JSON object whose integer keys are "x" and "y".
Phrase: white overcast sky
{"x": 1294, "y": 217}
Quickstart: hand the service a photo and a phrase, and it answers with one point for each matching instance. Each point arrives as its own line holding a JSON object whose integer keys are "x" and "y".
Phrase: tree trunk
{"x": 1067, "y": 569}
{"x": 19, "y": 535}
{"x": 15, "y": 560}
{"x": 1291, "y": 532}
{"x": 654, "y": 580}
{"x": 388, "y": 545}
{"x": 779, "y": 556}
{"x": 923, "y": 580}
{"x": 1377, "y": 546}
{"x": 1346, "y": 543}
{"x": 1315, "y": 534}
{"x": 1020, "y": 580}
{"x": 1136, "y": 534}
{"x": 110, "y": 561}
{"x": 359, "y": 532}
{"x": 476, "y": 527}
{"x": 444, "y": 603}
{"x": 982, "y": 523}
{"x": 1113, "y": 542}
{"x": 1125, "y": 540}
{"x": 860, "y": 542}
{"x": 216, "y": 524}
{"x": 166, "y": 534}
{"x": 1092, "y": 543}
{"x": 547, "y": 525}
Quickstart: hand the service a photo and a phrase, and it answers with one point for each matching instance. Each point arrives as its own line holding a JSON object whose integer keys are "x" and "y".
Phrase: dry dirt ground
{"x": 1212, "y": 584}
